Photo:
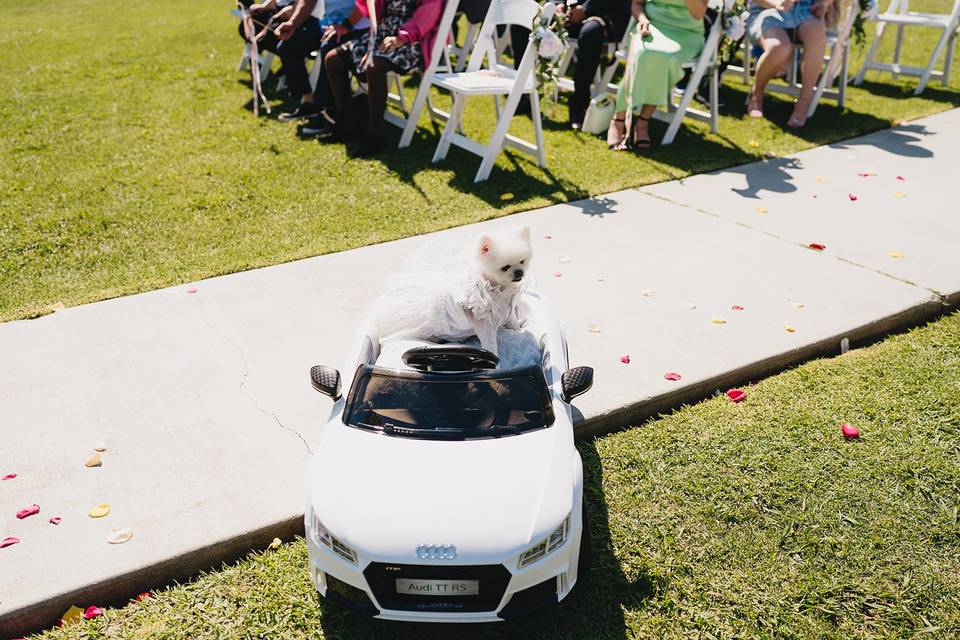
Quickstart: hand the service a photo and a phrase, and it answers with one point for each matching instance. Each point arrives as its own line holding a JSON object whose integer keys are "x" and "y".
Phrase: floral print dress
{"x": 405, "y": 59}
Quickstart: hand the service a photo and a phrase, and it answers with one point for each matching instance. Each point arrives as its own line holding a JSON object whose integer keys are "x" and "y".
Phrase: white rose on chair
{"x": 728, "y": 5}
{"x": 735, "y": 28}
{"x": 549, "y": 44}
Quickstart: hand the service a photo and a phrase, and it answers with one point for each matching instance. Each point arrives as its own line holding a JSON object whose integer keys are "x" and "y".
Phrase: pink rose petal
{"x": 900, "y": 178}
{"x": 852, "y": 197}
{"x": 737, "y": 307}
{"x": 6, "y": 542}
{"x": 192, "y": 290}
{"x": 56, "y": 520}
{"x": 547, "y": 237}
{"x": 557, "y": 274}
{"x": 671, "y": 376}
{"x": 849, "y": 431}
{"x": 625, "y": 359}
{"x": 9, "y": 476}
{"x": 92, "y": 612}
{"x": 816, "y": 246}
{"x": 26, "y": 512}
{"x": 736, "y": 394}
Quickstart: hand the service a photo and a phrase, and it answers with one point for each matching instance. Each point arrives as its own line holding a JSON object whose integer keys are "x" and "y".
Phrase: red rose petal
{"x": 26, "y": 512}
{"x": 900, "y": 178}
{"x": 547, "y": 237}
{"x": 816, "y": 246}
{"x": 736, "y": 394}
{"x": 9, "y": 476}
{"x": 56, "y": 520}
{"x": 849, "y": 431}
{"x": 852, "y": 197}
{"x": 673, "y": 377}
{"x": 143, "y": 596}
{"x": 92, "y": 612}
{"x": 6, "y": 542}
{"x": 625, "y": 359}
{"x": 737, "y": 307}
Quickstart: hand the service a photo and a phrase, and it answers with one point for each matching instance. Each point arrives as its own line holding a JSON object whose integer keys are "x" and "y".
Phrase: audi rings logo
{"x": 436, "y": 551}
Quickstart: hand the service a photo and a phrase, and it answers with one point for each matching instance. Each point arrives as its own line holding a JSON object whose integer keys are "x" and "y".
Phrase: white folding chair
{"x": 496, "y": 80}
{"x": 266, "y": 58}
{"x": 835, "y": 64}
{"x": 706, "y": 62}
{"x": 439, "y": 63}
{"x": 462, "y": 52}
{"x": 604, "y": 74}
{"x": 899, "y": 14}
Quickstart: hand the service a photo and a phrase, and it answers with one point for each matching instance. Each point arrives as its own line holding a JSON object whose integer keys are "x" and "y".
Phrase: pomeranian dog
{"x": 455, "y": 291}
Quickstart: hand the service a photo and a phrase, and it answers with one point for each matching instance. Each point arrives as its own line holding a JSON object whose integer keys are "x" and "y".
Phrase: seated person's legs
{"x": 777, "y": 49}
{"x": 813, "y": 34}
{"x": 590, "y": 42}
{"x": 293, "y": 53}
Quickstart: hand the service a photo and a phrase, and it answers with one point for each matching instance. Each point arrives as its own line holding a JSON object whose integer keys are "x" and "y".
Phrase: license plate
{"x": 438, "y": 587}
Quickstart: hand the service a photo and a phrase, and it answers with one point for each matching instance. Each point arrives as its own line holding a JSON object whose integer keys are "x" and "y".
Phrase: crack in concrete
{"x": 246, "y": 373}
{"x": 940, "y": 296}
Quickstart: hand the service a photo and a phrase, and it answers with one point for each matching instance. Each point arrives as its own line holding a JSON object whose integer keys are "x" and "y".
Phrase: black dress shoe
{"x": 576, "y": 118}
{"x": 369, "y": 147}
{"x": 303, "y": 111}
{"x": 320, "y": 125}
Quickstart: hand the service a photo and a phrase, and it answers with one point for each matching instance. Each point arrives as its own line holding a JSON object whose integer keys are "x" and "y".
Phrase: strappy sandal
{"x": 639, "y": 144}
{"x": 617, "y": 145}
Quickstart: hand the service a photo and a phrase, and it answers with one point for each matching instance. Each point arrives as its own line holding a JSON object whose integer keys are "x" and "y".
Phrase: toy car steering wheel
{"x": 449, "y": 358}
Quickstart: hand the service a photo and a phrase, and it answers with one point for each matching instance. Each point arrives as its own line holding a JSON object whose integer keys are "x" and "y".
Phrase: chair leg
{"x": 496, "y": 140}
{"x": 932, "y": 63}
{"x": 459, "y": 101}
{"x": 315, "y": 72}
{"x": 898, "y": 44}
{"x": 948, "y": 61}
{"x": 422, "y": 98}
{"x": 868, "y": 60}
{"x": 842, "y": 89}
{"x": 265, "y": 65}
{"x": 714, "y": 99}
{"x": 537, "y": 127}
{"x": 244, "y": 63}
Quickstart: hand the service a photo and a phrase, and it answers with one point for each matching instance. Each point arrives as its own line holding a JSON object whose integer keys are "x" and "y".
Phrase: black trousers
{"x": 591, "y": 36}
{"x": 268, "y": 41}
{"x": 293, "y": 53}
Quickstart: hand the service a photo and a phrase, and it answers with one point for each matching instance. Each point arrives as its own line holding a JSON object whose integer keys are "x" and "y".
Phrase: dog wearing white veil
{"x": 454, "y": 291}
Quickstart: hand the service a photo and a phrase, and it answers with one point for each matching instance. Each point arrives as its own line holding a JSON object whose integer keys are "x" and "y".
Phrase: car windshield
{"x": 450, "y": 406}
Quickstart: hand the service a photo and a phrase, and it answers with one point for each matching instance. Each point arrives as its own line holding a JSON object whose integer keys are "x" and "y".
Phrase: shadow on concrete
{"x": 902, "y": 141}
{"x": 595, "y": 609}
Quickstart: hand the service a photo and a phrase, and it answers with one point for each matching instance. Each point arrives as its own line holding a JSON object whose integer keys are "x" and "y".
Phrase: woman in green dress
{"x": 668, "y": 34}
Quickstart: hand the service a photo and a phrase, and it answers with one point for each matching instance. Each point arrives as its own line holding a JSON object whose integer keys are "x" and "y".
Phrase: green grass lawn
{"x": 721, "y": 520}
{"x": 129, "y": 160}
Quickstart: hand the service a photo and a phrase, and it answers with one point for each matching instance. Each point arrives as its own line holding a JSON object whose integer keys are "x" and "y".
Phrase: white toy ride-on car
{"x": 445, "y": 489}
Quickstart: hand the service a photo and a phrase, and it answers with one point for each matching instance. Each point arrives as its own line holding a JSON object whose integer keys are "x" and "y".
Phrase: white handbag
{"x": 598, "y": 116}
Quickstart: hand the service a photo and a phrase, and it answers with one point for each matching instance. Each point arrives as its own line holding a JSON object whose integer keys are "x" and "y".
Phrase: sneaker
{"x": 303, "y": 111}
{"x": 321, "y": 125}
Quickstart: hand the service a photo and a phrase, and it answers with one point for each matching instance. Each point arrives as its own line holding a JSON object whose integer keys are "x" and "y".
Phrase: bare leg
{"x": 617, "y": 133}
{"x": 377, "y": 95}
{"x": 339, "y": 79}
{"x": 776, "y": 53}
{"x": 813, "y": 35}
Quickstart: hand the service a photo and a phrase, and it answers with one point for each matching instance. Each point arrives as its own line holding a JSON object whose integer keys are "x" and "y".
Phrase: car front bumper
{"x": 508, "y": 592}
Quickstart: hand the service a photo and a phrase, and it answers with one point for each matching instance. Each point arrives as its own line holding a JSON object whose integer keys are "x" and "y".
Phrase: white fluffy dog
{"x": 455, "y": 291}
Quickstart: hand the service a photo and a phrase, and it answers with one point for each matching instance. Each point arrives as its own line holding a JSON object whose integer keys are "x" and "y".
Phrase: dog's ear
{"x": 525, "y": 232}
{"x": 485, "y": 244}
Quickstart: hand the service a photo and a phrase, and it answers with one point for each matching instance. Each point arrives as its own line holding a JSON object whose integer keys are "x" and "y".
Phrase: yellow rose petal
{"x": 798, "y": 305}
{"x": 593, "y": 327}
{"x": 718, "y": 320}
{"x": 99, "y": 511}
{"x": 762, "y": 210}
{"x": 72, "y": 615}
{"x": 94, "y": 460}
{"x": 821, "y": 179}
{"x": 506, "y": 196}
{"x": 900, "y": 194}
{"x": 895, "y": 254}
{"x": 275, "y": 543}
{"x": 648, "y": 293}
{"x": 789, "y": 328}
{"x": 754, "y": 144}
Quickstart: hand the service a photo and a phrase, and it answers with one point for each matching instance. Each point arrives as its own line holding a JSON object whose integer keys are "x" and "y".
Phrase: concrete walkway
{"x": 200, "y": 392}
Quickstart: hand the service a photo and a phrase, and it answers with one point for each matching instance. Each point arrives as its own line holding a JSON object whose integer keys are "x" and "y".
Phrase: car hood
{"x": 384, "y": 495}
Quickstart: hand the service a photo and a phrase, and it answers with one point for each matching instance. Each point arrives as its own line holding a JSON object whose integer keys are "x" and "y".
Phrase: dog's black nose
{"x": 517, "y": 274}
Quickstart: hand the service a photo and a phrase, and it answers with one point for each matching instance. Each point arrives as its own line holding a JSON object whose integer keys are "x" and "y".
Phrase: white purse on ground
{"x": 598, "y": 116}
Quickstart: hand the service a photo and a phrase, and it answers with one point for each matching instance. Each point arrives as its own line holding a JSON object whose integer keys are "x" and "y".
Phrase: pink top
{"x": 421, "y": 27}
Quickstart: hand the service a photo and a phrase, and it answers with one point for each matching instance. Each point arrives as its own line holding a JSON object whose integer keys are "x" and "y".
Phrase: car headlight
{"x": 546, "y": 546}
{"x": 323, "y": 536}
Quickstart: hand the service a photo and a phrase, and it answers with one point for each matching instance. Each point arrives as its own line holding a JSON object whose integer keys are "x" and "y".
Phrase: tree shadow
{"x": 899, "y": 91}
{"x": 594, "y": 610}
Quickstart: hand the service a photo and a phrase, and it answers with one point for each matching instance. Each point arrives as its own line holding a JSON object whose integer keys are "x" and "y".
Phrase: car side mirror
{"x": 576, "y": 382}
{"x": 326, "y": 380}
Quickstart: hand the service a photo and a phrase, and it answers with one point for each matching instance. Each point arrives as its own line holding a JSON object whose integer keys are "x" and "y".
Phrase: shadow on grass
{"x": 904, "y": 90}
{"x": 594, "y": 610}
